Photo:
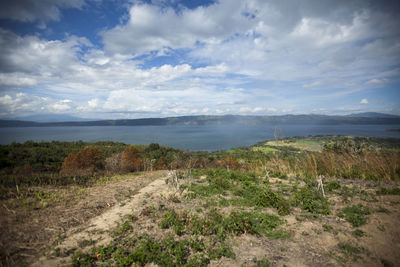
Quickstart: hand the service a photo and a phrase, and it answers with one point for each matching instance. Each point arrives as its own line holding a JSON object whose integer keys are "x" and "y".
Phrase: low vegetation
{"x": 220, "y": 204}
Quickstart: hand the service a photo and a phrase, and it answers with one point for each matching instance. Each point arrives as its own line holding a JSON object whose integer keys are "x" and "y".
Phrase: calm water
{"x": 187, "y": 137}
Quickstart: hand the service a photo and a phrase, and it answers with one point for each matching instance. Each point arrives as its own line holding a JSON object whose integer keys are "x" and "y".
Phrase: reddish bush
{"x": 231, "y": 163}
{"x": 131, "y": 160}
{"x": 161, "y": 164}
{"x": 85, "y": 162}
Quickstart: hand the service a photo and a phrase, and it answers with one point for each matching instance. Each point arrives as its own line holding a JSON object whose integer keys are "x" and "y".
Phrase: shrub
{"x": 270, "y": 198}
{"x": 131, "y": 160}
{"x": 161, "y": 164}
{"x": 113, "y": 163}
{"x": 85, "y": 162}
{"x": 310, "y": 200}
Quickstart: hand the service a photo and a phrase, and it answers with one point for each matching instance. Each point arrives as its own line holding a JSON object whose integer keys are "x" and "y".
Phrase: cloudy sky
{"x": 135, "y": 59}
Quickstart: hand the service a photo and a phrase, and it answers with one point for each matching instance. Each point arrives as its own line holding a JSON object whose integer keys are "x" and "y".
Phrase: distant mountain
{"x": 49, "y": 118}
{"x": 373, "y": 115}
{"x": 313, "y": 119}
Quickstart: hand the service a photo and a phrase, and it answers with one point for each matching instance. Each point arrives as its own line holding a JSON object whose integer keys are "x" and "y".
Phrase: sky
{"x": 115, "y": 59}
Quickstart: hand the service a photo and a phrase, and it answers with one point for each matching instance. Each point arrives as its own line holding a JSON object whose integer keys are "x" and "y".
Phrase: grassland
{"x": 254, "y": 206}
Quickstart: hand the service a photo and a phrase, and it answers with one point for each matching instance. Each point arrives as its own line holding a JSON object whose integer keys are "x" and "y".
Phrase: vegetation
{"x": 355, "y": 214}
{"x": 219, "y": 197}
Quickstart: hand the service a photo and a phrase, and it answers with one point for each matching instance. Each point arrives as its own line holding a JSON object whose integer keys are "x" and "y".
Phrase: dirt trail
{"x": 98, "y": 227}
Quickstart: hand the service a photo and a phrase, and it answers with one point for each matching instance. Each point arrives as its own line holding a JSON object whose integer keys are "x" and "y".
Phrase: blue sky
{"x": 103, "y": 59}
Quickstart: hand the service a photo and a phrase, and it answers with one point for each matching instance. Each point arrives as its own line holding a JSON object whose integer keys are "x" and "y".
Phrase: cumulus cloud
{"x": 152, "y": 27}
{"x": 233, "y": 57}
{"x": 26, "y": 104}
{"x": 93, "y": 103}
{"x": 16, "y": 79}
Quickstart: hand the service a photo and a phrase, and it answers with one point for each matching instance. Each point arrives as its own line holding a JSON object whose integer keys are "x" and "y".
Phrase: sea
{"x": 205, "y": 138}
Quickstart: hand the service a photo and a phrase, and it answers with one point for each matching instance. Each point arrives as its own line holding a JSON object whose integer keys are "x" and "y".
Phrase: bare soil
{"x": 30, "y": 225}
{"x": 315, "y": 239}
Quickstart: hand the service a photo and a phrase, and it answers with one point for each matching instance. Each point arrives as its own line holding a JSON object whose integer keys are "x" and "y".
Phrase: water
{"x": 187, "y": 137}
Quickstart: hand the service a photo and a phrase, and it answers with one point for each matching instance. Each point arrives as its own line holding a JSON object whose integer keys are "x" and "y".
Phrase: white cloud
{"x": 16, "y": 79}
{"x": 376, "y": 82}
{"x": 26, "y": 104}
{"x": 93, "y": 103}
{"x": 254, "y": 53}
{"x": 313, "y": 84}
{"x": 364, "y": 101}
{"x": 151, "y": 27}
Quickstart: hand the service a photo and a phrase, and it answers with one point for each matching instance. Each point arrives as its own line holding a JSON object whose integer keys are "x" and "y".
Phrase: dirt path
{"x": 98, "y": 227}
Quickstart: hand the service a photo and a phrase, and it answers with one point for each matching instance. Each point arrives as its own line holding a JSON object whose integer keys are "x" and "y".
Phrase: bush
{"x": 113, "y": 163}
{"x": 131, "y": 160}
{"x": 83, "y": 163}
{"x": 310, "y": 200}
{"x": 270, "y": 198}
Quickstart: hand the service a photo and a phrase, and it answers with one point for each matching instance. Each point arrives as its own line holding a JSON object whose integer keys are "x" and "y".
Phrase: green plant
{"x": 386, "y": 263}
{"x": 355, "y": 214}
{"x": 349, "y": 250}
{"x": 389, "y": 191}
{"x": 270, "y": 198}
{"x": 172, "y": 219}
{"x": 310, "y": 200}
{"x": 262, "y": 263}
{"x": 332, "y": 186}
{"x": 358, "y": 233}
{"x": 327, "y": 228}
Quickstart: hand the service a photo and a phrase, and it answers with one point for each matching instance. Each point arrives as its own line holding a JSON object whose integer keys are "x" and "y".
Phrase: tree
{"x": 131, "y": 160}
{"x": 231, "y": 163}
{"x": 161, "y": 164}
{"x": 85, "y": 162}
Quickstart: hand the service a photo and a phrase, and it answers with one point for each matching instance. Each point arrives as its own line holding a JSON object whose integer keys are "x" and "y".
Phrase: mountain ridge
{"x": 368, "y": 118}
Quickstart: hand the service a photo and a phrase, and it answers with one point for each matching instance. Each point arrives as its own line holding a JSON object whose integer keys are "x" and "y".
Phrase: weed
{"x": 172, "y": 219}
{"x": 82, "y": 259}
{"x": 350, "y": 250}
{"x": 270, "y": 198}
{"x": 358, "y": 233}
{"x": 347, "y": 192}
{"x": 381, "y": 228}
{"x": 253, "y": 223}
{"x": 327, "y": 228}
{"x": 310, "y": 200}
{"x": 355, "y": 214}
{"x": 57, "y": 252}
{"x": 220, "y": 250}
{"x": 332, "y": 186}
{"x": 262, "y": 263}
{"x": 124, "y": 228}
{"x": 278, "y": 234}
{"x": 383, "y": 210}
{"x": 389, "y": 191}
{"x": 386, "y": 263}
{"x": 142, "y": 250}
{"x": 149, "y": 211}
{"x": 85, "y": 243}
{"x": 174, "y": 198}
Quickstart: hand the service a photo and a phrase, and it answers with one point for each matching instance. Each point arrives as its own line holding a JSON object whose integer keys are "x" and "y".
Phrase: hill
{"x": 363, "y": 118}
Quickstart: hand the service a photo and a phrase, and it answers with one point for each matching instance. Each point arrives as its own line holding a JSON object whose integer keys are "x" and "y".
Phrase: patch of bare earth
{"x": 315, "y": 239}
{"x": 33, "y": 223}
